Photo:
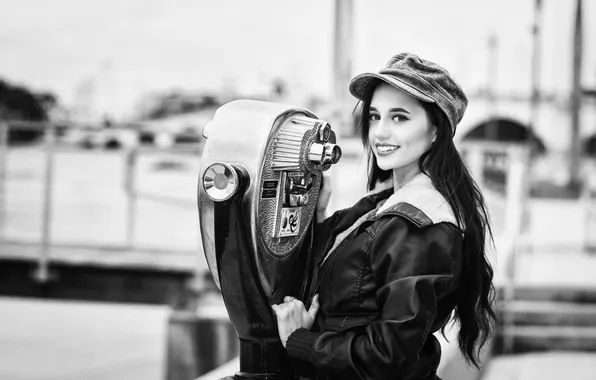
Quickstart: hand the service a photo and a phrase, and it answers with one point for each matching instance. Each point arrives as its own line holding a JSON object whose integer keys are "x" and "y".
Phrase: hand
{"x": 324, "y": 197}
{"x": 292, "y": 315}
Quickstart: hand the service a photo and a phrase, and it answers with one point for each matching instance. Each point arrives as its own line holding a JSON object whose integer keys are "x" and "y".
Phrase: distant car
{"x": 146, "y": 137}
{"x": 90, "y": 139}
{"x": 188, "y": 135}
{"x": 113, "y": 138}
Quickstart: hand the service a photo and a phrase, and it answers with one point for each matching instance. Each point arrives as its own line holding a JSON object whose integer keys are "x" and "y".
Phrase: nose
{"x": 380, "y": 129}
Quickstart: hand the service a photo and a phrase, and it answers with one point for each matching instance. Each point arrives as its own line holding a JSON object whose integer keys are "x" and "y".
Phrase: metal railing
{"x": 50, "y": 146}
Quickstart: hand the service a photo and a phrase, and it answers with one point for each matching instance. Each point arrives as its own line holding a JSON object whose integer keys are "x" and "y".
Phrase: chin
{"x": 397, "y": 162}
{"x": 386, "y": 165}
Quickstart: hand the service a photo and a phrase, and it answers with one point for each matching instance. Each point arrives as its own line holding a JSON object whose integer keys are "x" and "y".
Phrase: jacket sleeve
{"x": 413, "y": 268}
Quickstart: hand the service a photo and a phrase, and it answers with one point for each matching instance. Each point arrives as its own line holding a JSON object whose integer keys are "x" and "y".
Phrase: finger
{"x": 297, "y": 307}
{"x": 326, "y": 182}
{"x": 284, "y": 306}
{"x": 280, "y": 311}
{"x": 288, "y": 299}
{"x": 276, "y": 309}
{"x": 314, "y": 307}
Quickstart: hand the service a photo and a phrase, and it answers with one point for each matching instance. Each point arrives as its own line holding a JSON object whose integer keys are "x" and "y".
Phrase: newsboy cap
{"x": 424, "y": 80}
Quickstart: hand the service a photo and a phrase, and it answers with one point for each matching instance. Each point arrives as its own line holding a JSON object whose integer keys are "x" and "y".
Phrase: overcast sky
{"x": 123, "y": 49}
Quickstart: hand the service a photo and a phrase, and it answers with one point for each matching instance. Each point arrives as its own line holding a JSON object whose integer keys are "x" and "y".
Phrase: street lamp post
{"x": 576, "y": 98}
{"x": 342, "y": 64}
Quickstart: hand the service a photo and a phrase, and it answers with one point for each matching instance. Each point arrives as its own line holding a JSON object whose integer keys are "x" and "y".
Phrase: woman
{"x": 408, "y": 257}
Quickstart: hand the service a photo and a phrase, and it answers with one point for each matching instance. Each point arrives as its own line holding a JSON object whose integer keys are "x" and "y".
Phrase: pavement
{"x": 66, "y": 340}
{"x": 543, "y": 366}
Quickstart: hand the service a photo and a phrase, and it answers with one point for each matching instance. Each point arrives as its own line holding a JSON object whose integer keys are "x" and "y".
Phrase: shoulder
{"x": 419, "y": 215}
{"x": 434, "y": 248}
{"x": 414, "y": 240}
{"x": 406, "y": 225}
{"x": 420, "y": 203}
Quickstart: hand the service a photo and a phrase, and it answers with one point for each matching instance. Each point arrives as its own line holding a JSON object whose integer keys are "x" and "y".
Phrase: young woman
{"x": 408, "y": 257}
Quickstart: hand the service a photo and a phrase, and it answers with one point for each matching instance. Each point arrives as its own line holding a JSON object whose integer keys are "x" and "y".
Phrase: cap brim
{"x": 360, "y": 83}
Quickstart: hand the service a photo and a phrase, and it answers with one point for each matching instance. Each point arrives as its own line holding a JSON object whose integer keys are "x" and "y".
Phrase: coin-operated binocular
{"x": 260, "y": 177}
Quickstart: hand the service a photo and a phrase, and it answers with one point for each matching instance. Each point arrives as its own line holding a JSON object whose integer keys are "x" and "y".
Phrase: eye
{"x": 373, "y": 117}
{"x": 399, "y": 118}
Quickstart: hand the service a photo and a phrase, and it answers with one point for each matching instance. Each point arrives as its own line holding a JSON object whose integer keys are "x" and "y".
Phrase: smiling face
{"x": 400, "y": 130}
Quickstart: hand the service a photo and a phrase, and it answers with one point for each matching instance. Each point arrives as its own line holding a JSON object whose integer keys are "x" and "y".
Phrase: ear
{"x": 433, "y": 135}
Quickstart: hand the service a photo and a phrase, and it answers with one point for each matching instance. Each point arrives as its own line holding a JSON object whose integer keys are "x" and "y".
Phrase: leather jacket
{"x": 386, "y": 273}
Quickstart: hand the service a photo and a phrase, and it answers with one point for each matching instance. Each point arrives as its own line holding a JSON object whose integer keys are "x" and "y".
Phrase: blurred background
{"x": 102, "y": 105}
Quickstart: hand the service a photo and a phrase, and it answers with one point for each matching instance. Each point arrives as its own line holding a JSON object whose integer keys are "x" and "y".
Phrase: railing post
{"x": 131, "y": 195}
{"x": 3, "y": 158}
{"x": 515, "y": 212}
{"x": 589, "y": 200}
{"x": 475, "y": 161}
{"x": 42, "y": 273}
{"x": 515, "y": 190}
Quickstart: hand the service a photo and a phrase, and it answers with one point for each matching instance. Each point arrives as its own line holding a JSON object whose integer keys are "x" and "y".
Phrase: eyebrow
{"x": 397, "y": 109}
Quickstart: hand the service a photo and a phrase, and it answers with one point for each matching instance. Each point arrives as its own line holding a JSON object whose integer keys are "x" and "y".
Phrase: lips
{"x": 385, "y": 149}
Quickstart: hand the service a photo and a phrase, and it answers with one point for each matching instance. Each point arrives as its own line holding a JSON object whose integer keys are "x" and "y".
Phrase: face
{"x": 400, "y": 131}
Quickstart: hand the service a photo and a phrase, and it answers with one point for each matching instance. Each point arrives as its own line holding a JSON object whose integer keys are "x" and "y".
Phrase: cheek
{"x": 418, "y": 137}
{"x": 417, "y": 144}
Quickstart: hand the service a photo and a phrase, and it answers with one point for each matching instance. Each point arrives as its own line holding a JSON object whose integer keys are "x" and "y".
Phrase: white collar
{"x": 420, "y": 193}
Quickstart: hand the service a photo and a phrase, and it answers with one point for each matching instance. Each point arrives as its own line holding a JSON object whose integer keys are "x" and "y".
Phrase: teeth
{"x": 386, "y": 148}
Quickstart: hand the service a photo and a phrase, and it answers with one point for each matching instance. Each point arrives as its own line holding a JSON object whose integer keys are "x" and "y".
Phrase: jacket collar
{"x": 420, "y": 193}
{"x": 418, "y": 201}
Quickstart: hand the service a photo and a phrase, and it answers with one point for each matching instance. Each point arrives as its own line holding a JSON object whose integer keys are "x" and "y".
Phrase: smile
{"x": 386, "y": 149}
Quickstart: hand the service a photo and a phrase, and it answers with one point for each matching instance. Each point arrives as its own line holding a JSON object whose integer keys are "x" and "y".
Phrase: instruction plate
{"x": 290, "y": 221}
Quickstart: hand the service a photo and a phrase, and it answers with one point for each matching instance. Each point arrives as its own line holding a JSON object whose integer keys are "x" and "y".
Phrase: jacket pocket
{"x": 344, "y": 322}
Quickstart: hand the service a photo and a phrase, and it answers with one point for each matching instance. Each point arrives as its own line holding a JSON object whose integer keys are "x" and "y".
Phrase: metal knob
{"x": 298, "y": 200}
{"x": 220, "y": 181}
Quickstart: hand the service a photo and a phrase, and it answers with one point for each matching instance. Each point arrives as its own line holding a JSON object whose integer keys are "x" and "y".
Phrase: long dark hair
{"x": 451, "y": 177}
